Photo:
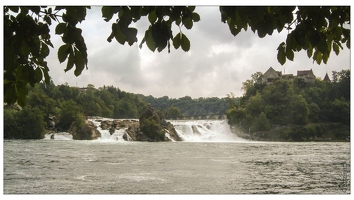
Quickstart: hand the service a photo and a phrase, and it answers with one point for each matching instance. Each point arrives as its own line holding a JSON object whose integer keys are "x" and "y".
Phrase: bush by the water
{"x": 309, "y": 132}
{"x": 152, "y": 129}
{"x": 150, "y": 125}
{"x": 27, "y": 123}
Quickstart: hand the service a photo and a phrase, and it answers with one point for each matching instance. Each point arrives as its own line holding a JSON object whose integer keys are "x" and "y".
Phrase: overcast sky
{"x": 216, "y": 64}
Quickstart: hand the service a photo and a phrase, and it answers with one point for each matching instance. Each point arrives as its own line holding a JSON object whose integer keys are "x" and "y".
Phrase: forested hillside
{"x": 64, "y": 105}
{"x": 294, "y": 110}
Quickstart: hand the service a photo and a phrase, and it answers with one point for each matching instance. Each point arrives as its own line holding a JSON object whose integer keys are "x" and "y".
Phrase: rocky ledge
{"x": 149, "y": 128}
{"x": 86, "y": 132}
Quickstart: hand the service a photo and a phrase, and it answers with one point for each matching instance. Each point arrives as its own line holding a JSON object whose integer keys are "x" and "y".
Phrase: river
{"x": 65, "y": 166}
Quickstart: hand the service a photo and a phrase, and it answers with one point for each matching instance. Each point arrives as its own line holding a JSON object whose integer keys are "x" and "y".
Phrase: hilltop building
{"x": 326, "y": 78}
{"x": 307, "y": 75}
{"x": 270, "y": 75}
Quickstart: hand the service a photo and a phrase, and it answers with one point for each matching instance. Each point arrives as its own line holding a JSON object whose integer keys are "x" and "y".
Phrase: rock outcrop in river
{"x": 86, "y": 132}
{"x": 149, "y": 128}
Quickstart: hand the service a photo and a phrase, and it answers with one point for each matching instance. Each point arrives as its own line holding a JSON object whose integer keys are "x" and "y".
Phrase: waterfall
{"x": 106, "y": 135}
{"x": 205, "y": 131}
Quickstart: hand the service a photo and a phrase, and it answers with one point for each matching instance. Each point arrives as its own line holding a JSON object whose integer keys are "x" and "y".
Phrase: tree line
{"x": 65, "y": 105}
{"x": 294, "y": 110}
{"x": 186, "y": 106}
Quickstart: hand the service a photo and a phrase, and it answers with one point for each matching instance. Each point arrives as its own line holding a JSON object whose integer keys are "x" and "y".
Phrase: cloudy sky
{"x": 216, "y": 64}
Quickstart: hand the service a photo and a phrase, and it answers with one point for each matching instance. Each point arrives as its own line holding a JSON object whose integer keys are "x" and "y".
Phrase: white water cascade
{"x": 205, "y": 131}
{"x": 106, "y": 135}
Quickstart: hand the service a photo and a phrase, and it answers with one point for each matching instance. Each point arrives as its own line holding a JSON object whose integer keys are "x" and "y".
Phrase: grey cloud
{"x": 201, "y": 72}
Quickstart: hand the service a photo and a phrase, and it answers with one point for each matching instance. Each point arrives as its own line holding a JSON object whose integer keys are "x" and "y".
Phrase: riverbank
{"x": 314, "y": 132}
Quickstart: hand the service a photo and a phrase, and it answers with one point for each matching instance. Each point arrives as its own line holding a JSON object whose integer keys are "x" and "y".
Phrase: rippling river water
{"x": 97, "y": 167}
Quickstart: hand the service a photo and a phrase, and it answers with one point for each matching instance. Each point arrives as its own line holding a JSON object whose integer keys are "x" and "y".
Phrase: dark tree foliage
{"x": 67, "y": 105}
{"x": 187, "y": 106}
{"x": 298, "y": 104}
{"x": 317, "y": 30}
{"x": 27, "y": 123}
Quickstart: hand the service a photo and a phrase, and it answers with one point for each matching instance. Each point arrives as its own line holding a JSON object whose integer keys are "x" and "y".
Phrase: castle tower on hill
{"x": 270, "y": 75}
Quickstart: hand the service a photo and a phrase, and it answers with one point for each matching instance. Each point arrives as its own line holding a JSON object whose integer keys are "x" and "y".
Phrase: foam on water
{"x": 106, "y": 135}
{"x": 205, "y": 131}
{"x": 58, "y": 136}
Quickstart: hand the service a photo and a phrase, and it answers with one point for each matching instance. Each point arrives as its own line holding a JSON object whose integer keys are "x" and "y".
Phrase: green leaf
{"x": 336, "y": 48}
{"x": 118, "y": 34}
{"x": 142, "y": 42}
{"x": 168, "y": 47}
{"x": 325, "y": 57}
{"x": 110, "y": 37}
{"x": 195, "y": 17}
{"x": 177, "y": 41}
{"x": 47, "y": 19}
{"x": 14, "y": 8}
{"x": 109, "y": 11}
{"x": 79, "y": 63}
{"x": 63, "y": 52}
{"x": 185, "y": 43}
{"x": 39, "y": 74}
{"x": 10, "y": 95}
{"x": 322, "y": 45}
{"x": 191, "y": 8}
{"x": 130, "y": 35}
{"x": 32, "y": 79}
{"x": 149, "y": 40}
{"x": 22, "y": 92}
{"x": 152, "y": 16}
{"x": 309, "y": 52}
{"x": 289, "y": 54}
{"x": 314, "y": 38}
{"x": 60, "y": 28}
{"x": 46, "y": 75}
{"x": 178, "y": 21}
{"x": 188, "y": 23}
{"x": 281, "y": 54}
{"x": 317, "y": 56}
{"x": 44, "y": 50}
{"x": 71, "y": 62}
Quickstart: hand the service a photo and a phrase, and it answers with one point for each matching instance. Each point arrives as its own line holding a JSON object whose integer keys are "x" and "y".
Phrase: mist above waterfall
{"x": 205, "y": 131}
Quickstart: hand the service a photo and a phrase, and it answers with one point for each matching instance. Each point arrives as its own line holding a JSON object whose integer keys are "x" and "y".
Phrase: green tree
{"x": 173, "y": 112}
{"x": 276, "y": 98}
{"x": 68, "y": 114}
{"x": 25, "y": 124}
{"x": 236, "y": 116}
{"x": 339, "y": 111}
{"x": 124, "y": 108}
{"x": 151, "y": 128}
{"x": 344, "y": 84}
{"x": 256, "y": 76}
{"x": 255, "y": 105}
{"x": 299, "y": 110}
{"x": 316, "y": 30}
{"x": 11, "y": 123}
{"x": 261, "y": 123}
{"x": 314, "y": 111}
